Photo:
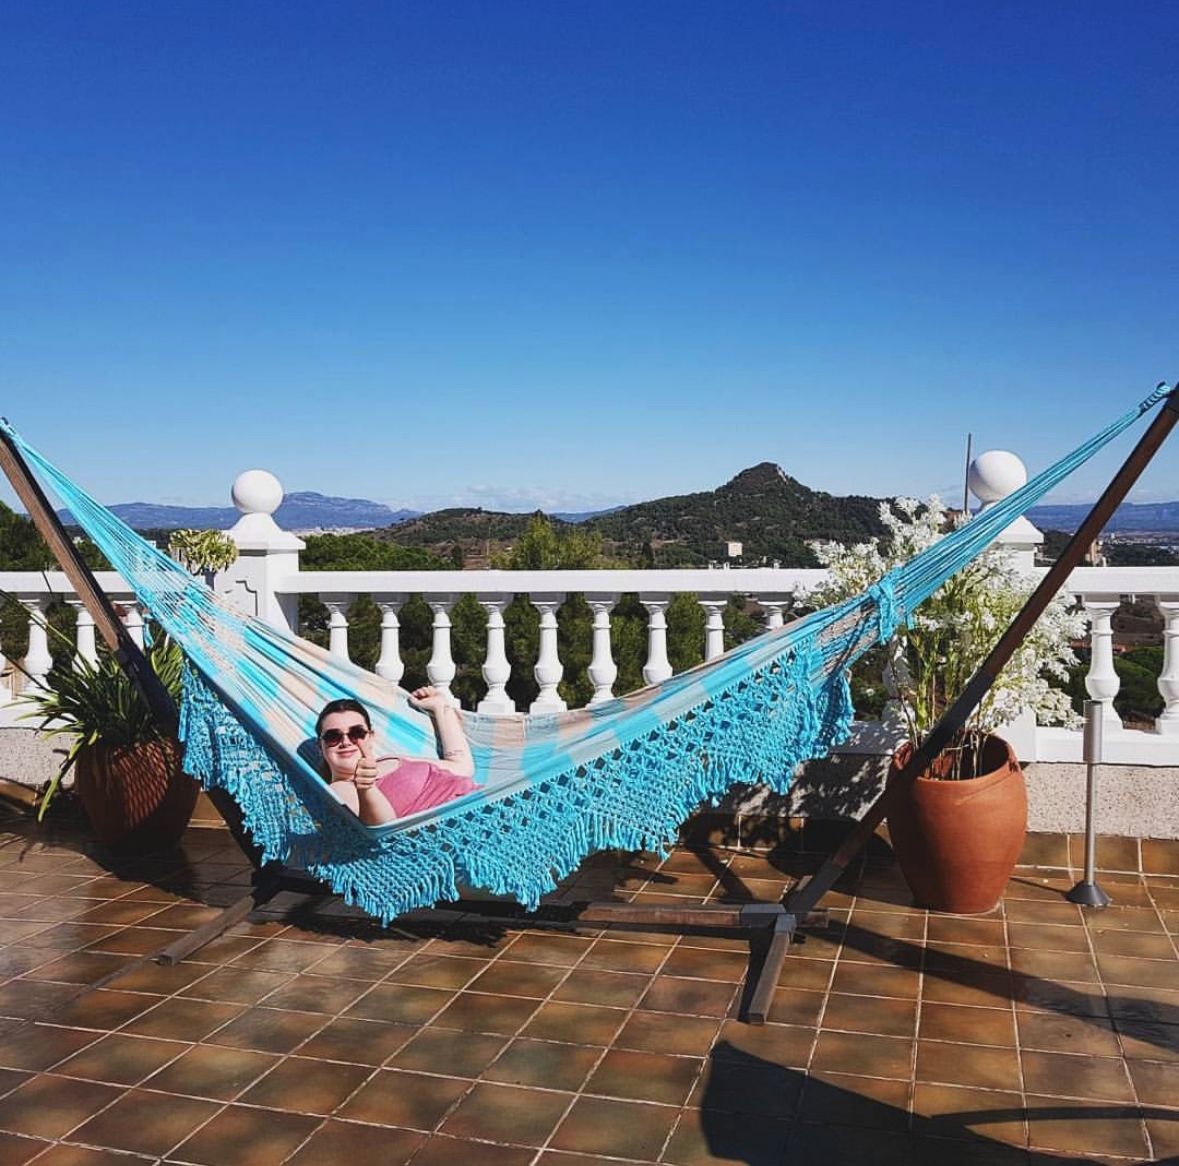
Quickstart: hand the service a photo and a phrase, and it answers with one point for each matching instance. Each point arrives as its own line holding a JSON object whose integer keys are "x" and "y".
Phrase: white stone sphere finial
{"x": 257, "y": 492}
{"x": 994, "y": 475}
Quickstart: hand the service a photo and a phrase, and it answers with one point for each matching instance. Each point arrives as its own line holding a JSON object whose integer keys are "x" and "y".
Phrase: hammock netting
{"x": 553, "y": 788}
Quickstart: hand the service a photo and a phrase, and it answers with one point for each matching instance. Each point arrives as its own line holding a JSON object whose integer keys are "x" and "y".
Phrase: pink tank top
{"x": 416, "y": 785}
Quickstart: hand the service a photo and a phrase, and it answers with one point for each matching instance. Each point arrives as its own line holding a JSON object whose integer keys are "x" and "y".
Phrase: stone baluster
{"x": 1102, "y": 681}
{"x": 602, "y": 670}
{"x": 441, "y": 669}
{"x": 37, "y": 661}
{"x": 132, "y": 616}
{"x": 389, "y": 664}
{"x": 337, "y": 604}
{"x": 5, "y": 680}
{"x": 84, "y": 642}
{"x": 548, "y": 670}
{"x": 1168, "y": 720}
{"x": 658, "y": 666}
{"x": 714, "y": 628}
{"x": 774, "y": 606}
{"x": 496, "y": 669}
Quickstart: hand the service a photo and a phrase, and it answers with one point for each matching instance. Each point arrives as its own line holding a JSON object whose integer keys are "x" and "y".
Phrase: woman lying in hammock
{"x": 380, "y": 789}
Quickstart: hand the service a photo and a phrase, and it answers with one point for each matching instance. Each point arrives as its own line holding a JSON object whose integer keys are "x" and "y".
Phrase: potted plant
{"x": 127, "y": 771}
{"x": 959, "y": 831}
{"x": 203, "y": 552}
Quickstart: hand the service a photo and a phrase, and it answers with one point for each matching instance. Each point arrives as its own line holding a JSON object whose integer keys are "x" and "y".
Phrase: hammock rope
{"x": 553, "y": 788}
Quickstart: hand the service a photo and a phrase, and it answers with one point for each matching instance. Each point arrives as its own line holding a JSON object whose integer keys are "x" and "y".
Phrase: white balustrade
{"x": 37, "y": 661}
{"x": 658, "y": 666}
{"x": 602, "y": 670}
{"x": 714, "y": 627}
{"x": 441, "y": 669}
{"x": 389, "y": 664}
{"x": 548, "y": 670}
{"x": 132, "y": 618}
{"x": 496, "y": 669}
{"x": 5, "y": 680}
{"x": 774, "y": 606}
{"x": 1167, "y": 722}
{"x": 337, "y": 604}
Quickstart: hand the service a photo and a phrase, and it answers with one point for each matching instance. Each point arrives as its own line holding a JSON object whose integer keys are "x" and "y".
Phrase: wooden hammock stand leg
{"x": 770, "y": 927}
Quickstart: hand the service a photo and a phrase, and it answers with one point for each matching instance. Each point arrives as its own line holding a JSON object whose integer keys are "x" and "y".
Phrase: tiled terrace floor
{"x": 1036, "y": 1034}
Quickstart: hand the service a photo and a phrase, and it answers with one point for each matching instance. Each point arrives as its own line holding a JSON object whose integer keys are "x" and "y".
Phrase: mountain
{"x": 770, "y": 514}
{"x": 1156, "y": 517}
{"x": 303, "y": 510}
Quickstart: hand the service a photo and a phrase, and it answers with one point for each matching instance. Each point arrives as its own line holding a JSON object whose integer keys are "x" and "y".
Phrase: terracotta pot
{"x": 138, "y": 799}
{"x": 958, "y": 841}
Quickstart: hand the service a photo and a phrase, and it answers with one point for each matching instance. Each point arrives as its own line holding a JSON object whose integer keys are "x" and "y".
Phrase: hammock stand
{"x": 769, "y": 927}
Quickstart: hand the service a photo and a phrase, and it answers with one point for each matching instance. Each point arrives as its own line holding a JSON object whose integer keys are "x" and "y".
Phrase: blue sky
{"x": 575, "y": 254}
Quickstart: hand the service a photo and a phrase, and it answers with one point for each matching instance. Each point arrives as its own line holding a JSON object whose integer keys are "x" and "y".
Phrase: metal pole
{"x": 1087, "y": 893}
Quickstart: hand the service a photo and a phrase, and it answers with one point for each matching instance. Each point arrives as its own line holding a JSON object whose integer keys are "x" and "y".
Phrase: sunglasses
{"x": 333, "y": 737}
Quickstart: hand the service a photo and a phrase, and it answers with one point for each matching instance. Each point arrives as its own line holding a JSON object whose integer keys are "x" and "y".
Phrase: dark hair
{"x": 344, "y": 705}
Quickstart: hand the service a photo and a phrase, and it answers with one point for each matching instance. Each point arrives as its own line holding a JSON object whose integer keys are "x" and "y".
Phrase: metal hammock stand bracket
{"x": 769, "y": 927}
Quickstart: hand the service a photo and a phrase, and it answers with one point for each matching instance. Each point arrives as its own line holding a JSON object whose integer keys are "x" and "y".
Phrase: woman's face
{"x": 340, "y": 738}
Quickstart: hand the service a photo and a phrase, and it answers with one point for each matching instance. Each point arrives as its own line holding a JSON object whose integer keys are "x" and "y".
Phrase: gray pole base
{"x": 1088, "y": 895}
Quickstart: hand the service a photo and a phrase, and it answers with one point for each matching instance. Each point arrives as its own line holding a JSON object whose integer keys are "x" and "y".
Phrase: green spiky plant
{"x": 98, "y": 703}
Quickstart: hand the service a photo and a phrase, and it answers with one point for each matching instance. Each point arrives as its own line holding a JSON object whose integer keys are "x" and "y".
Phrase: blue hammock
{"x": 552, "y": 788}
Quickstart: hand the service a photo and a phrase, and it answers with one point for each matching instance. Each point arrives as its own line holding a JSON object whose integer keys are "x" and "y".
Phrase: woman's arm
{"x": 452, "y": 741}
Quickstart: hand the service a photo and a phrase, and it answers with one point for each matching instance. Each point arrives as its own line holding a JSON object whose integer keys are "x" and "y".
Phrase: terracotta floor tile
{"x": 133, "y": 941}
{"x": 661, "y": 1032}
{"x": 690, "y": 997}
{"x": 433, "y": 970}
{"x": 704, "y": 1137}
{"x": 49, "y": 1107}
{"x": 182, "y": 1019}
{"x": 775, "y": 1044}
{"x": 704, "y": 964}
{"x": 269, "y": 1030}
{"x": 283, "y": 955}
{"x": 449, "y": 1052}
{"x": 309, "y": 993}
{"x": 410, "y": 1100}
{"x": 982, "y": 989}
{"x": 1147, "y": 973}
{"x": 476, "y": 1012}
{"x": 622, "y": 1129}
{"x": 303, "y": 1086}
{"x": 1053, "y": 996}
{"x": 1047, "y": 937}
{"x": 32, "y": 1000}
{"x": 610, "y": 989}
{"x": 643, "y": 1076}
{"x": 357, "y": 963}
{"x": 937, "y": 1151}
{"x": 139, "y": 1122}
{"x": 978, "y": 1066}
{"x": 545, "y": 1064}
{"x": 1133, "y": 1002}
{"x": 1055, "y": 1032}
{"x": 861, "y": 1054}
{"x": 885, "y": 1017}
{"x": 16, "y": 1150}
{"x": 249, "y": 1137}
{"x": 957, "y": 1113}
{"x": 559, "y": 950}
{"x": 615, "y": 956}
{"x": 844, "y": 1099}
{"x": 121, "y": 1060}
{"x": 1086, "y": 1077}
{"x": 815, "y": 975}
{"x": 1055, "y": 911}
{"x": 41, "y": 1046}
{"x": 234, "y": 985}
{"x": 510, "y": 978}
{"x": 910, "y": 925}
{"x": 1148, "y": 1042}
{"x": 1138, "y": 944}
{"x": 503, "y": 1113}
{"x": 211, "y": 1072}
{"x": 796, "y": 1006}
{"x": 1088, "y": 1127}
{"x": 441, "y": 1150}
{"x": 1077, "y": 967}
{"x": 344, "y": 1141}
{"x": 360, "y": 1042}
{"x": 575, "y": 1023}
{"x": 875, "y": 980}
{"x": 400, "y": 1003}
{"x": 79, "y": 967}
{"x": 1156, "y": 1084}
{"x": 964, "y": 1023}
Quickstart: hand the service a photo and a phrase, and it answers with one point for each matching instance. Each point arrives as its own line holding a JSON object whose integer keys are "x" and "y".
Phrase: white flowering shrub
{"x": 945, "y": 640}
